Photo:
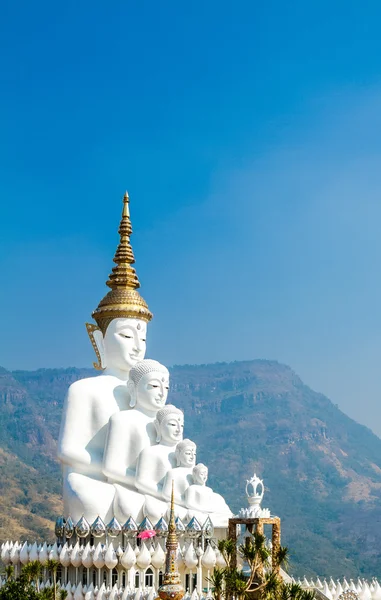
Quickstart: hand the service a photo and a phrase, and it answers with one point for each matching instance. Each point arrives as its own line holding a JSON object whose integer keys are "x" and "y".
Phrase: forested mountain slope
{"x": 322, "y": 470}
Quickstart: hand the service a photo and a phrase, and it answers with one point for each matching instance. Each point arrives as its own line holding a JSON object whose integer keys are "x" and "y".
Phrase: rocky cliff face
{"x": 321, "y": 469}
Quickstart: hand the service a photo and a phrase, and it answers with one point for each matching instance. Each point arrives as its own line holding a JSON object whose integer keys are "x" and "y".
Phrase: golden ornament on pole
{"x": 123, "y": 301}
{"x": 171, "y": 589}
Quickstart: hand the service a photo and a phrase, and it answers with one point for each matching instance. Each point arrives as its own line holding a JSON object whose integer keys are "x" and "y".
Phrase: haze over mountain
{"x": 321, "y": 469}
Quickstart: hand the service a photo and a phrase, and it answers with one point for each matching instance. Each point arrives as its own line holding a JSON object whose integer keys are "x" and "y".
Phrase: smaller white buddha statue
{"x": 181, "y": 475}
{"x": 201, "y": 501}
{"x": 154, "y": 462}
{"x": 130, "y": 431}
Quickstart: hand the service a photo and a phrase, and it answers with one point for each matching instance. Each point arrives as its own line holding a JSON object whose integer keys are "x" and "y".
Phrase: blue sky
{"x": 248, "y": 136}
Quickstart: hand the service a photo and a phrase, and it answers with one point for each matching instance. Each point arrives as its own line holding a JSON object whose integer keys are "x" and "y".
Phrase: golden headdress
{"x": 123, "y": 301}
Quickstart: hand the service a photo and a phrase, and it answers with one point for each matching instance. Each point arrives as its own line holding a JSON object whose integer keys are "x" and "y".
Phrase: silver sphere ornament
{"x": 98, "y": 528}
{"x": 82, "y": 528}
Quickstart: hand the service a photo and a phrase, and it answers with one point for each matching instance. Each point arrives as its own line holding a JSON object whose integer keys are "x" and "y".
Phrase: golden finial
{"x": 171, "y": 589}
{"x": 172, "y": 524}
{"x": 123, "y": 301}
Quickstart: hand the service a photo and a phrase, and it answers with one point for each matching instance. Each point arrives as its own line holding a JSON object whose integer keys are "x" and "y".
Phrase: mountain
{"x": 322, "y": 470}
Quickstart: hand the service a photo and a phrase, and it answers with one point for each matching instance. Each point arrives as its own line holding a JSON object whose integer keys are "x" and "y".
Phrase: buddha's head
{"x": 186, "y": 454}
{"x": 200, "y": 474}
{"x": 148, "y": 385}
{"x": 119, "y": 338}
{"x": 169, "y": 425}
{"x": 122, "y": 345}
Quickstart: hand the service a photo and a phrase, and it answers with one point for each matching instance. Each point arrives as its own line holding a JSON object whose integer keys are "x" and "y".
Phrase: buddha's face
{"x": 124, "y": 343}
{"x": 171, "y": 428}
{"x": 187, "y": 456}
{"x": 152, "y": 391}
{"x": 200, "y": 475}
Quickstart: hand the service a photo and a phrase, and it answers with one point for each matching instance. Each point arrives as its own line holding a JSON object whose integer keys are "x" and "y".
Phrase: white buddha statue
{"x": 119, "y": 340}
{"x": 201, "y": 501}
{"x": 154, "y": 462}
{"x": 130, "y": 431}
{"x": 181, "y": 475}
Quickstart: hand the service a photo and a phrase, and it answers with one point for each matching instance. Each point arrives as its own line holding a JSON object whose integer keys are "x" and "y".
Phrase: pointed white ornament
{"x": 152, "y": 595}
{"x": 126, "y": 594}
{"x": 158, "y": 557}
{"x": 90, "y": 592}
{"x": 68, "y": 591}
{"x": 138, "y": 594}
{"x": 209, "y": 558}
{"x": 65, "y": 555}
{"x": 143, "y": 560}
{"x": 43, "y": 554}
{"x": 24, "y": 554}
{"x": 53, "y": 553}
{"x": 98, "y": 559}
{"x": 33, "y": 552}
{"x": 128, "y": 558}
{"x": 376, "y": 595}
{"x": 326, "y": 591}
{"x": 114, "y": 593}
{"x": 87, "y": 559}
{"x": 14, "y": 554}
{"x": 111, "y": 559}
{"x": 75, "y": 558}
{"x": 220, "y": 561}
{"x": 338, "y": 590}
{"x": 190, "y": 558}
{"x": 102, "y": 593}
{"x": 5, "y": 554}
{"x": 78, "y": 594}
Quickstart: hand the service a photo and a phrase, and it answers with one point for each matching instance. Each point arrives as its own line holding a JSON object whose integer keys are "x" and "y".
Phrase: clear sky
{"x": 248, "y": 136}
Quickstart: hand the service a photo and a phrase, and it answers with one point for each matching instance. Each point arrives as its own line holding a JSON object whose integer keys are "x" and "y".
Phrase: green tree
{"x": 19, "y": 589}
{"x": 26, "y": 587}
{"x": 259, "y": 579}
{"x": 32, "y": 572}
{"x": 9, "y": 572}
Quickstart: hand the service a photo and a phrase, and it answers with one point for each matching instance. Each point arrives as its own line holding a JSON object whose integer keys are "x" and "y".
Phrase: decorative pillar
{"x": 171, "y": 588}
{"x": 275, "y": 538}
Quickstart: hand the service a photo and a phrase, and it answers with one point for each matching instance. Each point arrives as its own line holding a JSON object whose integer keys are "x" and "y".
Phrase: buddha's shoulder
{"x": 127, "y": 417}
{"x": 150, "y": 451}
{"x": 91, "y": 386}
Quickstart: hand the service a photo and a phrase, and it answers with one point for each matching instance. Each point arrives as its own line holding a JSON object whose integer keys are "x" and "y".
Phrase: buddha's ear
{"x": 177, "y": 455}
{"x": 158, "y": 434}
{"x": 132, "y": 393}
{"x": 96, "y": 338}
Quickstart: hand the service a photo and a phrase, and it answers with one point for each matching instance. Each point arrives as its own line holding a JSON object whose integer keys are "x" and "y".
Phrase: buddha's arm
{"x": 119, "y": 453}
{"x": 197, "y": 498}
{"x": 190, "y": 498}
{"x": 167, "y": 486}
{"x": 172, "y": 475}
{"x": 219, "y": 504}
{"x": 145, "y": 468}
{"x": 74, "y": 432}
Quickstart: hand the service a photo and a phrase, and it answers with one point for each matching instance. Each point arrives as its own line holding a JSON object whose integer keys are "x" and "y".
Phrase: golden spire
{"x": 123, "y": 301}
{"x": 124, "y": 275}
{"x": 171, "y": 588}
{"x": 172, "y": 535}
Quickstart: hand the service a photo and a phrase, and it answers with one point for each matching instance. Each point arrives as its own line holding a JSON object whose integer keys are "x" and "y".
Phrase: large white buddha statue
{"x": 130, "y": 431}
{"x": 202, "y": 501}
{"x": 119, "y": 340}
{"x": 154, "y": 462}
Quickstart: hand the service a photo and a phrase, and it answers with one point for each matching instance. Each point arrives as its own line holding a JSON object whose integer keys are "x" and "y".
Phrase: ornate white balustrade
{"x": 132, "y": 569}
